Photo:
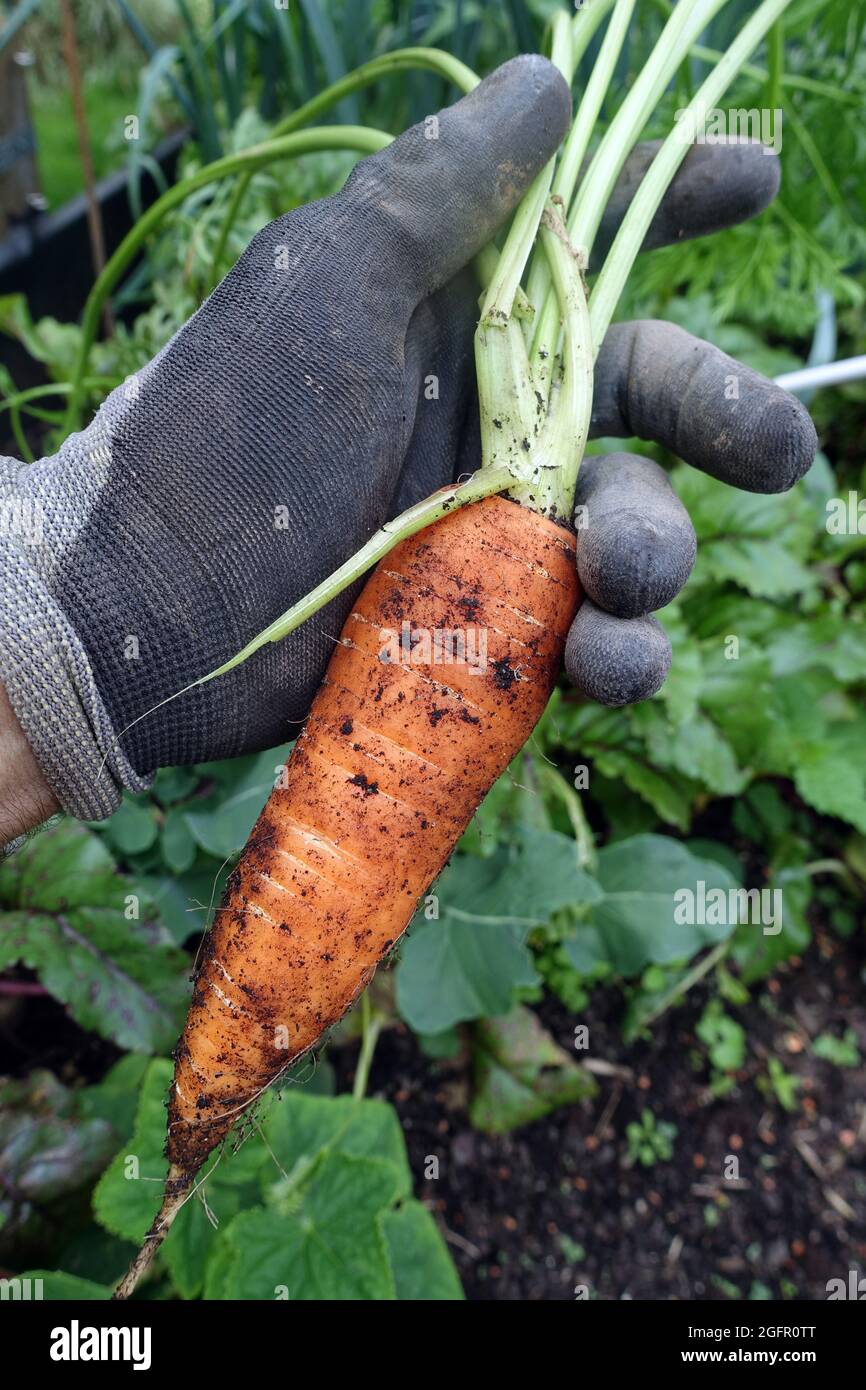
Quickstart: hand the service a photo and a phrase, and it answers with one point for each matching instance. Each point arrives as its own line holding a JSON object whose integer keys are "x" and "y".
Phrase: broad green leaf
{"x": 454, "y": 970}
{"x": 669, "y": 797}
{"x": 422, "y": 1267}
{"x": 48, "y": 341}
{"x": 331, "y": 1248}
{"x": 520, "y": 1073}
{"x": 694, "y": 747}
{"x": 178, "y": 842}
{"x": 756, "y": 540}
{"x": 831, "y": 774}
{"x": 224, "y": 830}
{"x": 173, "y": 784}
{"x": 758, "y": 952}
{"x": 761, "y": 567}
{"x": 133, "y": 828}
{"x": 299, "y": 1126}
{"x": 66, "y": 918}
{"x": 184, "y": 904}
{"x": 469, "y": 963}
{"x": 67, "y": 1288}
{"x": 635, "y": 923}
{"x": 115, "y": 1097}
{"x": 129, "y": 1193}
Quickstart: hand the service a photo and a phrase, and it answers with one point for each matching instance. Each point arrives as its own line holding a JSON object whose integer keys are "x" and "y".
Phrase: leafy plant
{"x": 781, "y": 1084}
{"x": 842, "y": 1052}
{"x": 723, "y": 1037}
{"x": 93, "y": 939}
{"x": 649, "y": 1140}
{"x": 521, "y": 1073}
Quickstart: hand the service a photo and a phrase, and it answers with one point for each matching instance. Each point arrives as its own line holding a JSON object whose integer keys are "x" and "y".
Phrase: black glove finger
{"x": 716, "y": 186}
{"x": 657, "y": 382}
{"x": 427, "y": 203}
{"x": 439, "y": 383}
{"x": 635, "y": 541}
{"x": 616, "y": 661}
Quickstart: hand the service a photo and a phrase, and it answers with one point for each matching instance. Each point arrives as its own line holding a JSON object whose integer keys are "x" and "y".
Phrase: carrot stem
{"x": 629, "y": 239}
{"x": 533, "y": 453}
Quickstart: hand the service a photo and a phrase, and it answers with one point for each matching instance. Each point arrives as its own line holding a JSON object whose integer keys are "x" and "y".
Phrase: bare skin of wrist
{"x": 26, "y": 800}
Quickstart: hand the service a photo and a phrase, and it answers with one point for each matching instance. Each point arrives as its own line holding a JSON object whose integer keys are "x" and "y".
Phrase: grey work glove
{"x": 635, "y": 541}
{"x": 260, "y": 448}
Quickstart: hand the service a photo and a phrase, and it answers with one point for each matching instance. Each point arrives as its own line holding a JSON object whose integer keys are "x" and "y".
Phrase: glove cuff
{"x": 51, "y": 688}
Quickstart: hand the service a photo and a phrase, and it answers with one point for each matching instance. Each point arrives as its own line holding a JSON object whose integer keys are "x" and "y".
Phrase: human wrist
{"x": 26, "y": 800}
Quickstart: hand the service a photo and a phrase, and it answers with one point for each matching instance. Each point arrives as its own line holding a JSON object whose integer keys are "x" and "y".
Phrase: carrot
{"x": 391, "y": 765}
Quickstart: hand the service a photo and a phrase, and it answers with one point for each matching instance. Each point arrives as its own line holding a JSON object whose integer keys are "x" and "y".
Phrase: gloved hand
{"x": 635, "y": 542}
{"x": 260, "y": 448}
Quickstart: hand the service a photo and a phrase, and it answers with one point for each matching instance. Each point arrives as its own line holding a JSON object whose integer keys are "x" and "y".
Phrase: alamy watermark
{"x": 718, "y": 907}
{"x": 846, "y": 516}
{"x": 710, "y": 125}
{"x": 23, "y": 519}
{"x": 439, "y": 646}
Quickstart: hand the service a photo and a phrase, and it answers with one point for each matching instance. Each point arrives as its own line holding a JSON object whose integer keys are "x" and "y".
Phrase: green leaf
{"x": 831, "y": 773}
{"x": 756, "y": 540}
{"x": 224, "y": 830}
{"x": 68, "y": 1288}
{"x": 842, "y": 1052}
{"x": 761, "y": 567}
{"x": 48, "y": 341}
{"x": 521, "y": 1073}
{"x": 333, "y": 1249}
{"x": 173, "y": 784}
{"x": 758, "y": 952}
{"x": 183, "y": 903}
{"x": 178, "y": 842}
{"x": 722, "y": 1036}
{"x": 440, "y": 1046}
{"x": 132, "y": 829}
{"x": 470, "y": 962}
{"x": 47, "y": 1149}
{"x": 129, "y": 1193}
{"x": 698, "y": 750}
{"x": 299, "y": 1126}
{"x": 115, "y": 1097}
{"x": 422, "y": 1267}
{"x": 66, "y": 918}
{"x": 635, "y": 923}
{"x": 670, "y": 798}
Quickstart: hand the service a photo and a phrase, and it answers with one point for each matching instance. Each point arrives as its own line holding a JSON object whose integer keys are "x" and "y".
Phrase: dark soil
{"x": 533, "y": 1214}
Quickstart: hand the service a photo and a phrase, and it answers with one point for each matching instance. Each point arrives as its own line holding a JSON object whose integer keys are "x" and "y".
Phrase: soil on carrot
{"x": 553, "y": 1211}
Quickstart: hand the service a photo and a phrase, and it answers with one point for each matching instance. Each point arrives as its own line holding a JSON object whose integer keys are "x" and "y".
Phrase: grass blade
{"x": 324, "y": 36}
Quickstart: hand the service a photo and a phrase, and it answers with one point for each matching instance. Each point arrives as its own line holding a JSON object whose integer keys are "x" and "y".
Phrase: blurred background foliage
{"x": 744, "y": 770}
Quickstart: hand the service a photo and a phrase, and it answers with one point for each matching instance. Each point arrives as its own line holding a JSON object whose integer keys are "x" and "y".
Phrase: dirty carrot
{"x": 391, "y": 765}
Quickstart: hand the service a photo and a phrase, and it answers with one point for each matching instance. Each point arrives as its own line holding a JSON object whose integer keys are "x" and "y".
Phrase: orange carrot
{"x": 394, "y": 759}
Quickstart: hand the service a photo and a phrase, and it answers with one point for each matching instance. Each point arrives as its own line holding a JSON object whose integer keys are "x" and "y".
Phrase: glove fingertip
{"x": 631, "y": 564}
{"x": 616, "y": 661}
